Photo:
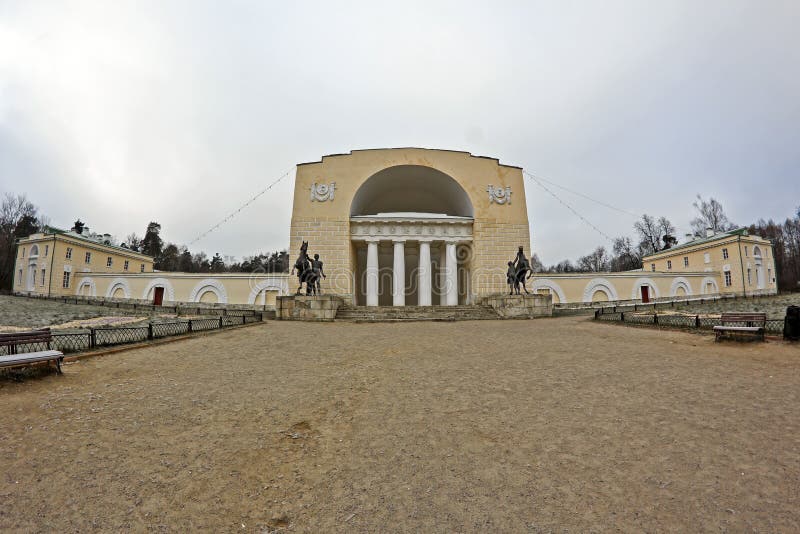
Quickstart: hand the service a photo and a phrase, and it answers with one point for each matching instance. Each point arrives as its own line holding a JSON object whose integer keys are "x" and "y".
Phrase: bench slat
{"x": 30, "y": 357}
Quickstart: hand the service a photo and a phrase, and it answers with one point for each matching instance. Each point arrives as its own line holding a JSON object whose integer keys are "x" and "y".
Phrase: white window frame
{"x": 109, "y": 261}
{"x": 46, "y": 250}
{"x": 724, "y": 253}
{"x": 43, "y": 276}
{"x": 669, "y": 264}
{"x": 141, "y": 270}
{"x": 65, "y": 280}
{"x": 87, "y": 258}
{"x": 69, "y": 253}
{"x": 728, "y": 279}
{"x": 125, "y": 266}
{"x": 686, "y": 261}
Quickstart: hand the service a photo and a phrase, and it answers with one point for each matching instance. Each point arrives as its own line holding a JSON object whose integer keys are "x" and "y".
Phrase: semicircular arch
{"x": 411, "y": 188}
{"x": 599, "y": 284}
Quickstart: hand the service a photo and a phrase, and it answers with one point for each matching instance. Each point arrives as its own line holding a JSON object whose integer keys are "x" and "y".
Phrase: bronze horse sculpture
{"x": 303, "y": 268}
{"x": 517, "y": 270}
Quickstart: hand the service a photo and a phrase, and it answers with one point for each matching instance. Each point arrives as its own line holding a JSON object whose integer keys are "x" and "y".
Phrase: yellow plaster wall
{"x": 736, "y": 262}
{"x": 56, "y": 262}
{"x": 497, "y": 231}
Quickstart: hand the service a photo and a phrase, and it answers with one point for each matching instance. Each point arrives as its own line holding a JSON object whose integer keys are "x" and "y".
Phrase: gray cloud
{"x": 126, "y": 112}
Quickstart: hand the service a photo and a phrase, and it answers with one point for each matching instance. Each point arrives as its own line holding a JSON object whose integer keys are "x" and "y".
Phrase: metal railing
{"x": 83, "y": 340}
{"x": 675, "y": 320}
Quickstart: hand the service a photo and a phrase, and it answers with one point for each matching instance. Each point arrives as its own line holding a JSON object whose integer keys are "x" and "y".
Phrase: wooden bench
{"x": 742, "y": 324}
{"x": 16, "y": 359}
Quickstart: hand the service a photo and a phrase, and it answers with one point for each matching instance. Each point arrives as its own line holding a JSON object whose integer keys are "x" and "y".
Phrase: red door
{"x": 645, "y": 294}
{"x": 158, "y": 296}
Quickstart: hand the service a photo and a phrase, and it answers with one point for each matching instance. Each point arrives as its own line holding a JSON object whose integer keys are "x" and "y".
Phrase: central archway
{"x": 411, "y": 189}
{"x": 411, "y": 228}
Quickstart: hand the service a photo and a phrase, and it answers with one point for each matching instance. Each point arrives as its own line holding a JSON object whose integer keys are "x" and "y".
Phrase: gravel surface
{"x": 487, "y": 426}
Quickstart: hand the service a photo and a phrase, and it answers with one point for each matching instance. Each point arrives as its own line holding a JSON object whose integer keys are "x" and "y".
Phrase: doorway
{"x": 158, "y": 296}
{"x": 645, "y": 294}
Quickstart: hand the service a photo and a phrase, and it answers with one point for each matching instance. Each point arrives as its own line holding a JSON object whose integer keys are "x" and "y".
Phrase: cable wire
{"x": 570, "y": 208}
{"x": 609, "y": 206}
{"x": 243, "y": 206}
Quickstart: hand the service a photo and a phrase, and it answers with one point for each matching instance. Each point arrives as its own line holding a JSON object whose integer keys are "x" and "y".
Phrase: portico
{"x": 408, "y": 239}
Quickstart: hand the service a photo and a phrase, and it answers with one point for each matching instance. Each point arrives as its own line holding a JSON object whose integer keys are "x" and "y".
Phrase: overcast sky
{"x": 178, "y": 111}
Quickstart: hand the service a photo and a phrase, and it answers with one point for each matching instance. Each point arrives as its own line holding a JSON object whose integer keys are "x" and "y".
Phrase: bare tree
{"x": 626, "y": 257}
{"x": 710, "y": 215}
{"x": 18, "y": 218}
{"x": 595, "y": 262}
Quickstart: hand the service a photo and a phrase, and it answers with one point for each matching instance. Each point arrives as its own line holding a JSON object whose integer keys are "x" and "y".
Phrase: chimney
{"x": 689, "y": 238}
{"x": 709, "y": 232}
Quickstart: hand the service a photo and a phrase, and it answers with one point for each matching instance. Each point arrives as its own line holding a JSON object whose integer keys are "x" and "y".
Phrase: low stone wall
{"x": 307, "y": 308}
{"x": 520, "y": 306}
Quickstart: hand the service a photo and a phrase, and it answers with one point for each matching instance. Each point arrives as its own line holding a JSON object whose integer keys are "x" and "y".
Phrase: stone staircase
{"x": 398, "y": 314}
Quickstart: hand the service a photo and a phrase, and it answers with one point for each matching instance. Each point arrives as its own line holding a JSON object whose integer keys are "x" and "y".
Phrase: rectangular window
{"x": 745, "y": 252}
{"x": 109, "y": 261}
{"x": 66, "y": 279}
{"x": 125, "y": 266}
{"x": 749, "y": 277}
{"x": 141, "y": 270}
{"x": 653, "y": 267}
{"x": 727, "y": 278}
{"x": 88, "y": 257}
{"x": 23, "y": 252}
{"x": 19, "y": 278}
{"x": 770, "y": 280}
{"x": 46, "y": 249}
{"x": 669, "y": 264}
{"x": 686, "y": 261}
{"x": 724, "y": 253}
{"x": 43, "y": 272}
{"x": 69, "y": 253}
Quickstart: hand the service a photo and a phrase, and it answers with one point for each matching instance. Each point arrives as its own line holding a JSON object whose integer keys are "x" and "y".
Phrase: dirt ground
{"x": 489, "y": 426}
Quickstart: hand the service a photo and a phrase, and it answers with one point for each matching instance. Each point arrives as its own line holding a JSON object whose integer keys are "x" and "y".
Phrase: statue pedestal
{"x": 520, "y": 306}
{"x": 307, "y": 308}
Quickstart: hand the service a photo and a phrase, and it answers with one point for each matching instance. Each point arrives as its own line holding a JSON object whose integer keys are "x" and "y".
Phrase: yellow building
{"x": 399, "y": 227}
{"x": 411, "y": 226}
{"x": 52, "y": 263}
{"x": 735, "y": 261}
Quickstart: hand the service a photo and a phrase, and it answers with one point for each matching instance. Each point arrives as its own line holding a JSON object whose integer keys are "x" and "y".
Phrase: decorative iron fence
{"x": 82, "y": 340}
{"x": 674, "y": 320}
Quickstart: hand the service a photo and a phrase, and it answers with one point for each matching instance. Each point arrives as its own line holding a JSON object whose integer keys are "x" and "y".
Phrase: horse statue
{"x": 517, "y": 270}
{"x": 303, "y": 268}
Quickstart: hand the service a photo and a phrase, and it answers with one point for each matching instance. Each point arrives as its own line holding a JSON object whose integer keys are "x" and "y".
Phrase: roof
{"x": 702, "y": 240}
{"x": 73, "y": 235}
{"x": 409, "y": 148}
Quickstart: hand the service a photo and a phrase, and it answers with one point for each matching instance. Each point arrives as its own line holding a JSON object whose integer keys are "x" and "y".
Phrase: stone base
{"x": 307, "y": 308}
{"x": 520, "y": 306}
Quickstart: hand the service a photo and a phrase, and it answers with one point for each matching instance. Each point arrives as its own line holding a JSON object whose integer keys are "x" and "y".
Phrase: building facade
{"x": 740, "y": 263}
{"x": 399, "y": 227}
{"x": 52, "y": 264}
{"x": 411, "y": 226}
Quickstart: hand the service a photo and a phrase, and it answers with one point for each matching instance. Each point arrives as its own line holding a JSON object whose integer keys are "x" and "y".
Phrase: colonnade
{"x": 449, "y": 261}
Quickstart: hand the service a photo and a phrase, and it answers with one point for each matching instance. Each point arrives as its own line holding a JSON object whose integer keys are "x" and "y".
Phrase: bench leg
{"x": 58, "y": 366}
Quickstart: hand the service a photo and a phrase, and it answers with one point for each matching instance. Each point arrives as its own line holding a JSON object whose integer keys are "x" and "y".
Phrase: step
{"x": 414, "y": 313}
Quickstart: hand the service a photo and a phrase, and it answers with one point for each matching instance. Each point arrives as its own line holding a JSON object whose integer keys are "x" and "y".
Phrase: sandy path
{"x": 460, "y": 427}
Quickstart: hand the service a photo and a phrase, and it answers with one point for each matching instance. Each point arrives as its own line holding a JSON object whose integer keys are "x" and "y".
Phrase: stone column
{"x": 424, "y": 290}
{"x": 372, "y": 272}
{"x": 399, "y": 274}
{"x": 442, "y": 274}
{"x": 451, "y": 275}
